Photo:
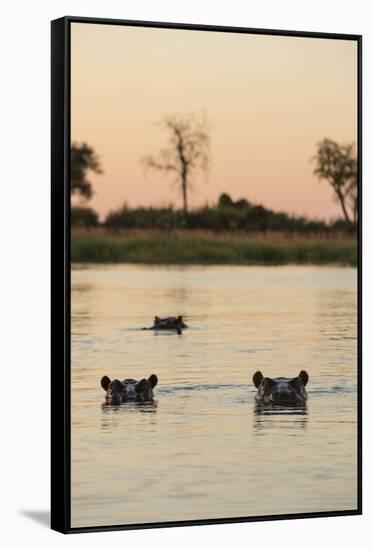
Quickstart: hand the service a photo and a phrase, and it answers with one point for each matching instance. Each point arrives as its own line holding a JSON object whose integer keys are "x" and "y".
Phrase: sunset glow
{"x": 269, "y": 99}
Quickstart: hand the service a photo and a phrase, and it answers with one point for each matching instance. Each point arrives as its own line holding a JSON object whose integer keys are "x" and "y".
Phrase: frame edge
{"x": 60, "y": 504}
{"x": 60, "y": 282}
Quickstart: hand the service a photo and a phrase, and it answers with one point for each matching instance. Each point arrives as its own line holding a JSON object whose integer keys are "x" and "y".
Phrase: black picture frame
{"x": 61, "y": 284}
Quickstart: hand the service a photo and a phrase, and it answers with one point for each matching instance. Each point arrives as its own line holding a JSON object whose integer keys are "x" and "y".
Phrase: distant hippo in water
{"x": 168, "y": 323}
{"x": 281, "y": 391}
{"x": 129, "y": 389}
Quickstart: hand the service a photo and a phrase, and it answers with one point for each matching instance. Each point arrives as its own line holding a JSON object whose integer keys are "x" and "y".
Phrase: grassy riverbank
{"x": 201, "y": 247}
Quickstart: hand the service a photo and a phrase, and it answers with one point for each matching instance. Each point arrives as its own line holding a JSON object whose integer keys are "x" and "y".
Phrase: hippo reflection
{"x": 168, "y": 323}
{"x": 285, "y": 392}
{"x": 118, "y": 392}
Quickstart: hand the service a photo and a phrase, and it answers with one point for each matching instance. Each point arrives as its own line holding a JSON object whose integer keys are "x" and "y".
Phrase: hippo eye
{"x": 268, "y": 383}
{"x": 295, "y": 383}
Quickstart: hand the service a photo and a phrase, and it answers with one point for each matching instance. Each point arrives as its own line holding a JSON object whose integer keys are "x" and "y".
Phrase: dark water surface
{"x": 202, "y": 449}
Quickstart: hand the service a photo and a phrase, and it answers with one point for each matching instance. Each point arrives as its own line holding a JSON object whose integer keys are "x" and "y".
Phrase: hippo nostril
{"x": 281, "y": 396}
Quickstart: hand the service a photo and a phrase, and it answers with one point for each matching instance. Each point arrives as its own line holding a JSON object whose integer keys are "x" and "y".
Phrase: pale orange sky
{"x": 269, "y": 99}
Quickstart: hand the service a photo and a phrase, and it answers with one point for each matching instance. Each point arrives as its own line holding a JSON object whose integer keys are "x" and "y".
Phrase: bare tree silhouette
{"x": 187, "y": 151}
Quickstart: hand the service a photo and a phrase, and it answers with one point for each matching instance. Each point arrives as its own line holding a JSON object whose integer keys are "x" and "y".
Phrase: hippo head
{"x": 281, "y": 391}
{"x": 129, "y": 389}
{"x": 169, "y": 323}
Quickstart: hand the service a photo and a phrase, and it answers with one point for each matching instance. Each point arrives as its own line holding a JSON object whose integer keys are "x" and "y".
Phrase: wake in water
{"x": 199, "y": 388}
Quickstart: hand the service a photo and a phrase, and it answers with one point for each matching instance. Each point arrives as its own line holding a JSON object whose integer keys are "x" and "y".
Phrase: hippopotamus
{"x": 281, "y": 391}
{"x": 168, "y": 323}
{"x": 129, "y": 389}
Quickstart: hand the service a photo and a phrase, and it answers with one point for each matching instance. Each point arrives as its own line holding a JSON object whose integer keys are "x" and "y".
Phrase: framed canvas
{"x": 206, "y": 274}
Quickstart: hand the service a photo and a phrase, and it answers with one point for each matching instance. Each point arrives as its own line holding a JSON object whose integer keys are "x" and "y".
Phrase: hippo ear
{"x": 304, "y": 377}
{"x": 153, "y": 380}
{"x": 257, "y": 378}
{"x": 105, "y": 382}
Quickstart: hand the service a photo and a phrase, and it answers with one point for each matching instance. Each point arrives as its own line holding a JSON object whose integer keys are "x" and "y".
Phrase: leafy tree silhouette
{"x": 83, "y": 159}
{"x": 338, "y": 165}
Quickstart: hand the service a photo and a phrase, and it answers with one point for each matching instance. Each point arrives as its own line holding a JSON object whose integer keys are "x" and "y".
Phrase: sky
{"x": 269, "y": 101}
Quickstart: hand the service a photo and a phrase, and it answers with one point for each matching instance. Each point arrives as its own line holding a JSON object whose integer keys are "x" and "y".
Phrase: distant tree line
{"x": 84, "y": 216}
{"x": 186, "y": 154}
{"x": 226, "y": 215}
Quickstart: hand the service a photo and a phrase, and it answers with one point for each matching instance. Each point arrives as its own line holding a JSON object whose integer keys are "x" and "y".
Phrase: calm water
{"x": 201, "y": 450}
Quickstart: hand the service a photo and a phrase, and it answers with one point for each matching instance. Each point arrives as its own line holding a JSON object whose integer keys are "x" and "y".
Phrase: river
{"x": 202, "y": 450}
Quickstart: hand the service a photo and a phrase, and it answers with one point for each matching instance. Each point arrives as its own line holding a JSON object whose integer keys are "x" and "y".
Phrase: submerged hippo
{"x": 129, "y": 389}
{"x": 169, "y": 323}
{"x": 281, "y": 391}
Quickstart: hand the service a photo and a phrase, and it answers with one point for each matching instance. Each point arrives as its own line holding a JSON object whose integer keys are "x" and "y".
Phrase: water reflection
{"x": 111, "y": 412}
{"x": 81, "y": 287}
{"x": 268, "y": 417}
{"x": 179, "y": 294}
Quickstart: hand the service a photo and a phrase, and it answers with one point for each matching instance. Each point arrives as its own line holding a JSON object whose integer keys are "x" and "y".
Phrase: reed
{"x": 202, "y": 247}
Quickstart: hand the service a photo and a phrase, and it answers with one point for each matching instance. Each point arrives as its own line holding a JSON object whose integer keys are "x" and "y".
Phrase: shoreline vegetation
{"x": 228, "y": 231}
{"x": 187, "y": 246}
